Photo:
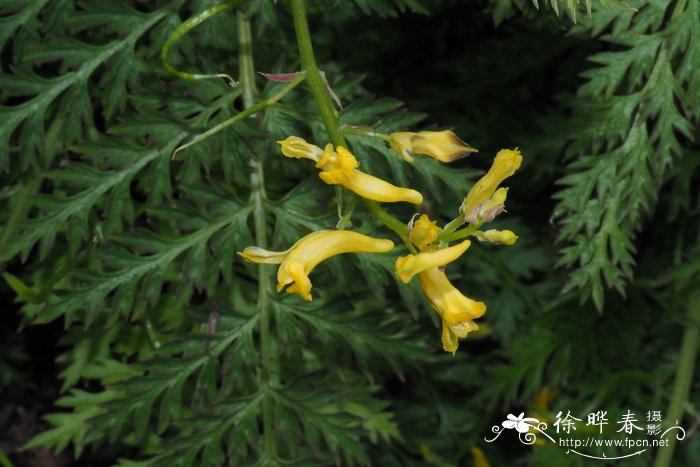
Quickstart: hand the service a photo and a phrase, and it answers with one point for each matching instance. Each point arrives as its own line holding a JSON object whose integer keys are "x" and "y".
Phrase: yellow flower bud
{"x": 501, "y": 237}
{"x": 489, "y": 209}
{"x": 423, "y": 232}
{"x": 504, "y": 165}
{"x": 444, "y": 146}
{"x": 297, "y": 263}
{"x": 498, "y": 198}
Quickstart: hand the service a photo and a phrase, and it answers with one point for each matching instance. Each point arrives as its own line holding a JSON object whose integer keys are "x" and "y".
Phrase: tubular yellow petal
{"x": 456, "y": 310}
{"x": 376, "y": 189}
{"x": 450, "y": 303}
{"x": 423, "y": 232}
{"x": 316, "y": 247}
{"x": 410, "y": 265}
{"x": 504, "y": 165}
{"x": 444, "y": 146}
{"x": 297, "y": 147}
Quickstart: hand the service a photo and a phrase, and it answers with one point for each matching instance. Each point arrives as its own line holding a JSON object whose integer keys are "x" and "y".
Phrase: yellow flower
{"x": 444, "y": 146}
{"x": 423, "y": 232}
{"x": 410, "y": 265}
{"x": 543, "y": 397}
{"x": 541, "y": 402}
{"x": 297, "y": 262}
{"x": 479, "y": 458}
{"x": 456, "y": 310}
{"x": 502, "y": 237}
{"x": 506, "y": 162}
{"x": 340, "y": 168}
{"x": 424, "y": 451}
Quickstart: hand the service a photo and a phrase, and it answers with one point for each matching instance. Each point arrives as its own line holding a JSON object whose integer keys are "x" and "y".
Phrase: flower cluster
{"x": 428, "y": 242}
{"x": 456, "y": 310}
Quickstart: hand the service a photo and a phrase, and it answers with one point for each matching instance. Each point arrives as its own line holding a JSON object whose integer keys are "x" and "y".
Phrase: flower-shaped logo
{"x": 522, "y": 425}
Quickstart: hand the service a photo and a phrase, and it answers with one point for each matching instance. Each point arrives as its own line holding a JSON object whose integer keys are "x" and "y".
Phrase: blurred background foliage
{"x": 130, "y": 327}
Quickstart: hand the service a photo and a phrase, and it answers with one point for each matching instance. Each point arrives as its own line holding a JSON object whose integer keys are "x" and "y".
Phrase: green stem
{"x": 308, "y": 64}
{"x": 246, "y": 71}
{"x": 363, "y": 131}
{"x": 223, "y": 102}
{"x": 449, "y": 236}
{"x": 262, "y": 105}
{"x": 390, "y": 221}
{"x": 318, "y": 88}
{"x": 328, "y": 115}
{"x": 684, "y": 377}
{"x": 260, "y": 219}
{"x": 183, "y": 29}
{"x": 259, "y": 198}
{"x": 344, "y": 219}
{"x": 453, "y": 225}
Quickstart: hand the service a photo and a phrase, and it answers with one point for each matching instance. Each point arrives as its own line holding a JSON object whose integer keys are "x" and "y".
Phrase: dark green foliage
{"x": 637, "y": 99}
{"x": 134, "y": 252}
